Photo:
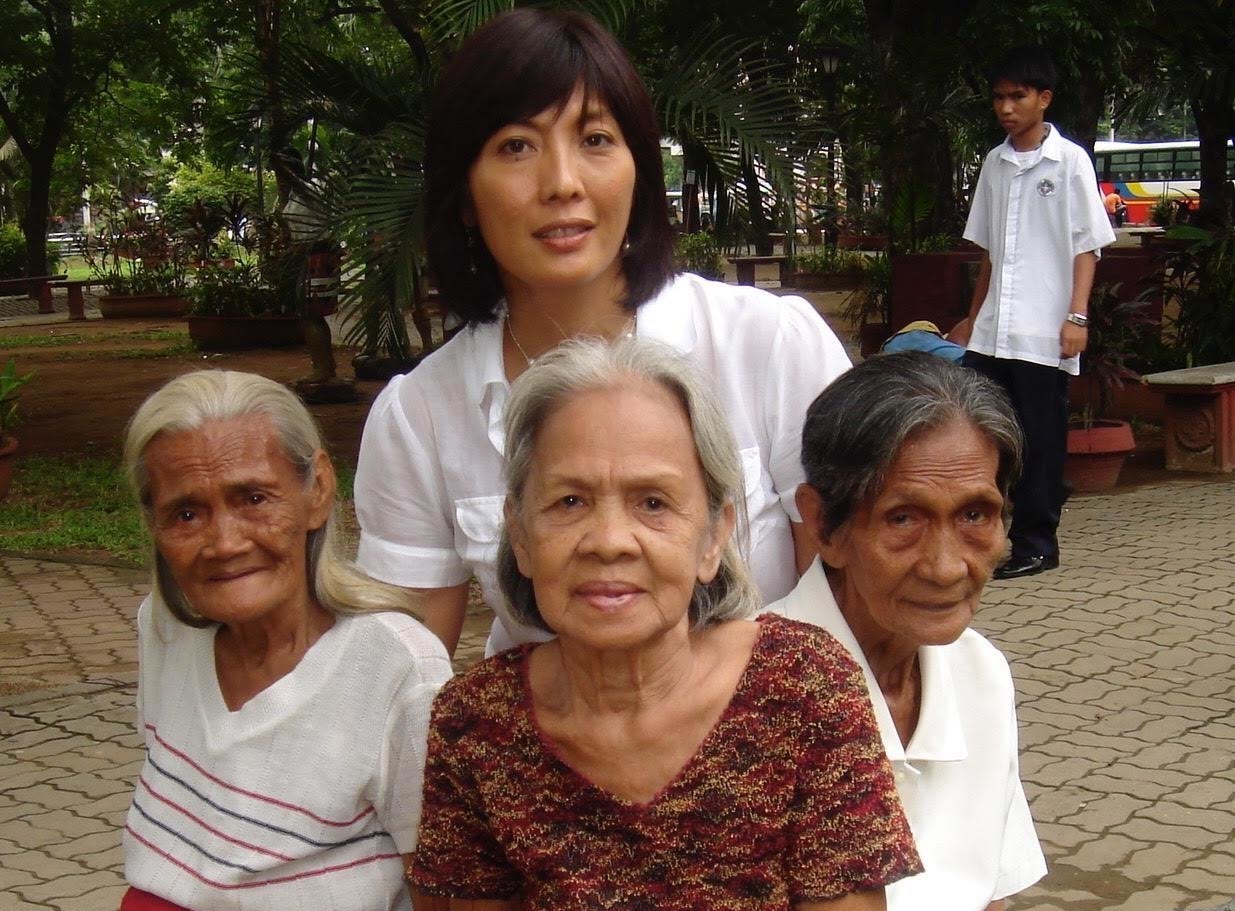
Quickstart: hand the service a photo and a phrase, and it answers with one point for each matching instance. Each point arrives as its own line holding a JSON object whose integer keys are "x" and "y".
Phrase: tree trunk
{"x": 38, "y": 209}
{"x": 754, "y": 204}
{"x": 1215, "y": 124}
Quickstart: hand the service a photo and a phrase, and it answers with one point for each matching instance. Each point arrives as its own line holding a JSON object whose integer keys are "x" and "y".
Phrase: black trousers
{"x": 1040, "y": 396}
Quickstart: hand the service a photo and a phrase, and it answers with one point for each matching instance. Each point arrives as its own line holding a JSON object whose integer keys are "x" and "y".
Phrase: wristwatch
{"x": 1078, "y": 319}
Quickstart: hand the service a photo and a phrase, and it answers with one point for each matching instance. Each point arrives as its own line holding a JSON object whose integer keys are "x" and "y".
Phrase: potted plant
{"x": 10, "y": 383}
{"x": 1097, "y": 444}
{"x": 140, "y": 264}
{"x": 235, "y": 307}
{"x": 700, "y": 253}
{"x": 828, "y": 269}
{"x": 866, "y": 307}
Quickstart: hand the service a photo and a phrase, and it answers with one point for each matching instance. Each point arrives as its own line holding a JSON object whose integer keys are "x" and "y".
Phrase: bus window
{"x": 1157, "y": 164}
{"x": 1187, "y": 164}
{"x": 1125, "y": 166}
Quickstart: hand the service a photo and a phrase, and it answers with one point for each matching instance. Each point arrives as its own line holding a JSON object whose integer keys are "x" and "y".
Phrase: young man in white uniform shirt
{"x": 1038, "y": 215}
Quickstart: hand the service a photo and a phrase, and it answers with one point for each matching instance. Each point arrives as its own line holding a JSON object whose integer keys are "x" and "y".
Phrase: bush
{"x": 237, "y": 291}
{"x": 831, "y": 261}
{"x": 13, "y": 253}
{"x": 699, "y": 253}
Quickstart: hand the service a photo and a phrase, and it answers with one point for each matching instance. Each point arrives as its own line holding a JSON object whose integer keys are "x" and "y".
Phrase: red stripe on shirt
{"x": 262, "y": 797}
{"x": 308, "y": 874}
{"x": 209, "y": 828}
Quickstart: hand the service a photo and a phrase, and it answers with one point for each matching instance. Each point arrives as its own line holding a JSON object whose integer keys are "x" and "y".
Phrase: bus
{"x": 1143, "y": 173}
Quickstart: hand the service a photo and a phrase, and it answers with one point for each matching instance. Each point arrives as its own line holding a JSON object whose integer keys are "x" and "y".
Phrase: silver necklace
{"x": 632, "y": 326}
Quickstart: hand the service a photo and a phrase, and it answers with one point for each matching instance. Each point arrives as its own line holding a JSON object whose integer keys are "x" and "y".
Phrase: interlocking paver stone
{"x": 1124, "y": 678}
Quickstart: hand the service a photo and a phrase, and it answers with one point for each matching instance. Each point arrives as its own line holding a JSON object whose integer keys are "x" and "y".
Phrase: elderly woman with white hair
{"x": 283, "y": 696}
{"x": 909, "y": 460}
{"x": 663, "y": 751}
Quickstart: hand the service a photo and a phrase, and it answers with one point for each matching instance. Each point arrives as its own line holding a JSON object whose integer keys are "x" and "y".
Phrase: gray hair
{"x": 585, "y": 365}
{"x": 195, "y": 399}
{"x": 856, "y": 428}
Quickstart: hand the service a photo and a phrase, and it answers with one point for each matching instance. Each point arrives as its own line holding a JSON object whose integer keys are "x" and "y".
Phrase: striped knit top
{"x": 307, "y": 795}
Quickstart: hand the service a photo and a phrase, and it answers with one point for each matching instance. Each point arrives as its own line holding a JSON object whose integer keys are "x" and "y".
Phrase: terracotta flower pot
{"x": 8, "y": 458}
{"x": 1096, "y": 454}
{"x": 114, "y": 306}
{"x": 231, "y": 333}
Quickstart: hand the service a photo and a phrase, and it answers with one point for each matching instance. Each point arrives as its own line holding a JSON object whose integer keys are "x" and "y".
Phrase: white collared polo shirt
{"x": 959, "y": 776}
{"x": 1034, "y": 213}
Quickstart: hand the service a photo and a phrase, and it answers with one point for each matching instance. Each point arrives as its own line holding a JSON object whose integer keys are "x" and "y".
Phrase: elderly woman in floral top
{"x": 662, "y": 752}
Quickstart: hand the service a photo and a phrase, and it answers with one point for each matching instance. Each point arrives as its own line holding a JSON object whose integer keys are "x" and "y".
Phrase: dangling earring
{"x": 471, "y": 250}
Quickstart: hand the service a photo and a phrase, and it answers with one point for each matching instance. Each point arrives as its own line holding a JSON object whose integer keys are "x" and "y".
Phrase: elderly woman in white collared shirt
{"x": 908, "y": 461}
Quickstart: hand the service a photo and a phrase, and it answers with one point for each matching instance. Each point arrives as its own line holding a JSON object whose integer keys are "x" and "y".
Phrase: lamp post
{"x": 829, "y": 62}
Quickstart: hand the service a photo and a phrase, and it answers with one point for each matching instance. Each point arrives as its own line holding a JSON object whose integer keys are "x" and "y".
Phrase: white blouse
{"x": 429, "y": 488}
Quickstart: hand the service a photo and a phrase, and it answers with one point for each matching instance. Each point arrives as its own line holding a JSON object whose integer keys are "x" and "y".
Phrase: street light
{"x": 829, "y": 62}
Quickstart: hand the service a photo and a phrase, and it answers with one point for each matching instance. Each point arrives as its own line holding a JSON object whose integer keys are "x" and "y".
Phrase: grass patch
{"x": 74, "y": 506}
{"x": 66, "y": 339}
{"x": 76, "y": 268}
{"x": 138, "y": 354}
{"x": 69, "y": 505}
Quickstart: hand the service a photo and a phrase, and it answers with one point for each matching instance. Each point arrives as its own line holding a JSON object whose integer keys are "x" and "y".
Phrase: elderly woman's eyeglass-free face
{"x": 614, "y": 530}
{"x": 230, "y": 517}
{"x": 916, "y": 559}
{"x": 552, "y": 197}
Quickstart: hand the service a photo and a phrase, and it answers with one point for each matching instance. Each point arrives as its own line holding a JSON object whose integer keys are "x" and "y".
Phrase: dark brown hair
{"x": 515, "y": 66}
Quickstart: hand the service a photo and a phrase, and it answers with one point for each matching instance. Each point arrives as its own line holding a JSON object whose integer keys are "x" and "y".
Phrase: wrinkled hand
{"x": 1072, "y": 339}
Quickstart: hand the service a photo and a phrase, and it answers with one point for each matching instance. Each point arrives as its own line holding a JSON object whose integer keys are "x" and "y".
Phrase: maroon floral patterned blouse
{"x": 788, "y": 799}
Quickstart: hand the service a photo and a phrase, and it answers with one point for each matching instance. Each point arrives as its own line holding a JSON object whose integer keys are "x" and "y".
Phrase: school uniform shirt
{"x": 308, "y": 795}
{"x": 429, "y": 489}
{"x": 1033, "y": 212}
{"x": 958, "y": 778}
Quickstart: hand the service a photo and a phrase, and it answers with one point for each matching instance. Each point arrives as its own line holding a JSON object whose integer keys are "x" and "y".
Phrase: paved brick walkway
{"x": 1123, "y": 662}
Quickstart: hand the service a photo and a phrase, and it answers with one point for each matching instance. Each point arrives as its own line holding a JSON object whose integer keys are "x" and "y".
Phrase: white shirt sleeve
{"x": 1021, "y": 862}
{"x": 978, "y": 228}
{"x": 806, "y": 357}
{"x": 1091, "y": 228}
{"x": 402, "y": 504}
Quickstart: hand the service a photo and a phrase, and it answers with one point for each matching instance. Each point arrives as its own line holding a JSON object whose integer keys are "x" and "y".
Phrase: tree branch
{"x": 14, "y": 128}
{"x": 406, "y": 29}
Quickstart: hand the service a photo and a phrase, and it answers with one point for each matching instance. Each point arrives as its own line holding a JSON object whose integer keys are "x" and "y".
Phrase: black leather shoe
{"x": 1016, "y": 567}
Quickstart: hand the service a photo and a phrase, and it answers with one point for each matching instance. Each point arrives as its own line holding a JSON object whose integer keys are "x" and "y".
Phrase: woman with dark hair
{"x": 547, "y": 221}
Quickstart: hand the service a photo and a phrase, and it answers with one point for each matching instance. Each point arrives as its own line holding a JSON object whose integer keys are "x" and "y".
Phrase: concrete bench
{"x": 29, "y": 285}
{"x": 1200, "y": 416}
{"x": 77, "y": 303}
{"x": 746, "y": 267}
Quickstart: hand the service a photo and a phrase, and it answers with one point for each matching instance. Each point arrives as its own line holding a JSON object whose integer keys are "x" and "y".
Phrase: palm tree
{"x": 735, "y": 113}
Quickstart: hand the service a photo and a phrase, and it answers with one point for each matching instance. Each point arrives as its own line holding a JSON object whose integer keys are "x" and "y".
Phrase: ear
{"x": 1044, "y": 99}
{"x": 829, "y": 546}
{"x": 322, "y": 490}
{"x": 722, "y": 531}
{"x": 517, "y": 536}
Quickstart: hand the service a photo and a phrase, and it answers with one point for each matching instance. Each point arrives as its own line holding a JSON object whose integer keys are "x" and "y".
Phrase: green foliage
{"x": 1200, "y": 283}
{"x": 1116, "y": 330}
{"x": 71, "y": 504}
{"x": 136, "y": 253}
{"x": 1162, "y": 213}
{"x": 870, "y": 302}
{"x": 700, "y": 253}
{"x": 240, "y": 290}
{"x": 10, "y": 383}
{"x": 831, "y": 261}
{"x": 13, "y": 253}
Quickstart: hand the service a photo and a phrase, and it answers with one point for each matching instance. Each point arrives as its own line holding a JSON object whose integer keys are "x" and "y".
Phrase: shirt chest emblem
{"x": 1046, "y": 187}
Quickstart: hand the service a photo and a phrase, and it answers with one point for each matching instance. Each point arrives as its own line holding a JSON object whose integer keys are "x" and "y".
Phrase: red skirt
{"x": 137, "y": 900}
